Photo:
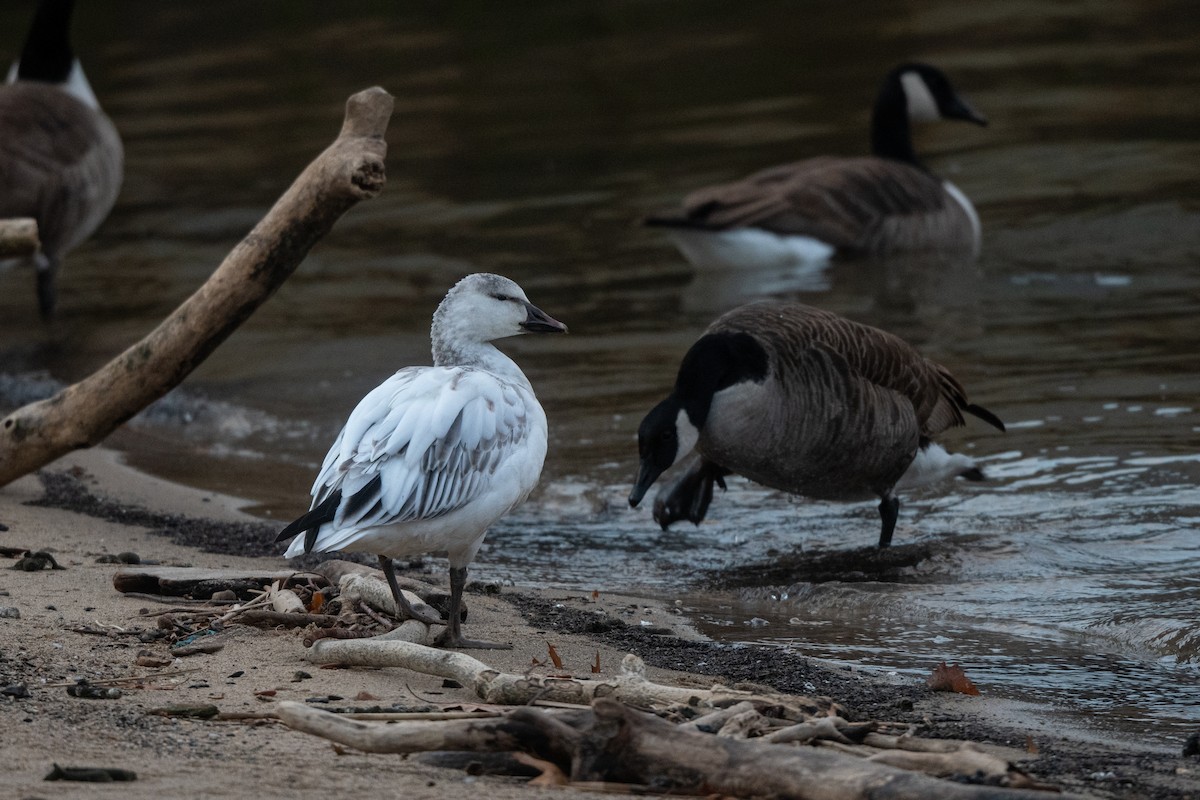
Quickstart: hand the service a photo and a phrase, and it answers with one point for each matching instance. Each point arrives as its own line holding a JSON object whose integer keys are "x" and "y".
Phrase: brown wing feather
{"x": 885, "y": 360}
{"x": 60, "y": 162}
{"x": 858, "y": 205}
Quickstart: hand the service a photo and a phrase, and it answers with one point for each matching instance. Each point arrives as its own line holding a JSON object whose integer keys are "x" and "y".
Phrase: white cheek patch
{"x": 921, "y": 105}
{"x": 77, "y": 84}
{"x": 686, "y": 433}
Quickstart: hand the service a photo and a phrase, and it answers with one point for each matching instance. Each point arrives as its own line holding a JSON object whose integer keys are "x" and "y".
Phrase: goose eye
{"x": 503, "y": 298}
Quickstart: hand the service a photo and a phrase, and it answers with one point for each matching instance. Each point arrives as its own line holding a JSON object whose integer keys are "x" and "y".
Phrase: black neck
{"x": 891, "y": 130}
{"x": 715, "y": 362}
{"x": 47, "y": 54}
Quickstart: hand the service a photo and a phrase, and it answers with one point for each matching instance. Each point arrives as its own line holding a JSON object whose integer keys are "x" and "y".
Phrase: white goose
{"x": 61, "y": 159}
{"x": 808, "y": 211}
{"x": 434, "y": 455}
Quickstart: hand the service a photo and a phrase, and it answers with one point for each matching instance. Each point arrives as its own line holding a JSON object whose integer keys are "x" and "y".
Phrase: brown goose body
{"x": 864, "y": 206}
{"x": 879, "y": 205}
{"x": 805, "y": 401}
{"x": 841, "y": 412}
{"x": 61, "y": 162}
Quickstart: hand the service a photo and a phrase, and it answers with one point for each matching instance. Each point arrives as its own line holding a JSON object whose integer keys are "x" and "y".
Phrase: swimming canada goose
{"x": 805, "y": 401}
{"x": 61, "y": 160}
{"x": 430, "y": 458}
{"x": 811, "y": 210}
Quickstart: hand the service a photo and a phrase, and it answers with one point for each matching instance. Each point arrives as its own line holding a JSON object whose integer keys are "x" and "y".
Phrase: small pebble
{"x": 300, "y": 675}
{"x": 237, "y": 674}
{"x": 18, "y": 690}
{"x": 10, "y": 613}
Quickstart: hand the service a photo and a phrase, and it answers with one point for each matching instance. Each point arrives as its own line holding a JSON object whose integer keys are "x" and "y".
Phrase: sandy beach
{"x": 177, "y": 757}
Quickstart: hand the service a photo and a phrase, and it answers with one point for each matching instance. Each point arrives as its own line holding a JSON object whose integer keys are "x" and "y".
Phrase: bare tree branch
{"x": 348, "y": 171}
{"x": 18, "y": 237}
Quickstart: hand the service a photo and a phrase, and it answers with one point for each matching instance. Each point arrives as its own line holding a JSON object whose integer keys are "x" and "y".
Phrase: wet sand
{"x": 88, "y": 504}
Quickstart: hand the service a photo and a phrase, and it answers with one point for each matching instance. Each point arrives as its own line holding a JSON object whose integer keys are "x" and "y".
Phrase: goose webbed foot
{"x": 688, "y": 497}
{"x": 402, "y": 605}
{"x": 889, "y": 511}
{"x": 452, "y": 637}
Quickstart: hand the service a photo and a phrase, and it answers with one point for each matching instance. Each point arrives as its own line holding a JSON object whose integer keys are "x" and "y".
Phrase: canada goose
{"x": 806, "y": 401}
{"x": 434, "y": 455}
{"x": 811, "y": 210}
{"x": 61, "y": 160}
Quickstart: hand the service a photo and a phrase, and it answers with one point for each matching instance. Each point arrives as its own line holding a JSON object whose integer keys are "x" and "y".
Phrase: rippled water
{"x": 528, "y": 142}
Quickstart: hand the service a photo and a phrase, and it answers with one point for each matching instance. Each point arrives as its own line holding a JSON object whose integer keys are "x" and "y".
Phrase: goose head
{"x": 929, "y": 96}
{"x": 914, "y": 92}
{"x": 716, "y": 362}
{"x": 666, "y": 434}
{"x": 484, "y": 307}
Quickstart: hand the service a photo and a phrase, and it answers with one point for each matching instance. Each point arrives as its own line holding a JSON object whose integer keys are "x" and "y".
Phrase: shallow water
{"x": 529, "y": 143}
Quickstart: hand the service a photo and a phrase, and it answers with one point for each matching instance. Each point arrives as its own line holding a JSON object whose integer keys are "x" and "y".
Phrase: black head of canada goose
{"x": 810, "y": 210}
{"x": 805, "y": 401}
{"x": 61, "y": 160}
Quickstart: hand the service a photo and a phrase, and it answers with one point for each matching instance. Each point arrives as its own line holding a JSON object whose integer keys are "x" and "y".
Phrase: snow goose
{"x": 61, "y": 160}
{"x": 434, "y": 455}
{"x": 805, "y": 401}
{"x": 810, "y": 210}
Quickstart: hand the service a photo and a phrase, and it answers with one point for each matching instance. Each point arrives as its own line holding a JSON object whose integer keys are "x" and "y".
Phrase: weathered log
{"x": 18, "y": 237}
{"x": 617, "y": 744}
{"x": 185, "y": 581}
{"x": 348, "y": 171}
{"x": 493, "y": 686}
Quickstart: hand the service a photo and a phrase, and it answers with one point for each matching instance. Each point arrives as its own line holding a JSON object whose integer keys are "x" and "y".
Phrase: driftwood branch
{"x": 348, "y": 171}
{"x": 492, "y": 686}
{"x": 18, "y": 237}
{"x": 615, "y": 744}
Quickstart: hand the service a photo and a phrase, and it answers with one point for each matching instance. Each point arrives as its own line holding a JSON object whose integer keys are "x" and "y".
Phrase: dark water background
{"x": 527, "y": 139}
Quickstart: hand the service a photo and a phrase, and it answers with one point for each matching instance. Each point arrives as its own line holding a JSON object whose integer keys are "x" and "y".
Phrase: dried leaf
{"x": 595, "y": 595}
{"x": 596, "y": 666}
{"x": 266, "y": 693}
{"x": 337, "y": 748}
{"x": 551, "y": 774}
{"x": 365, "y": 696}
{"x": 554, "y": 659}
{"x": 537, "y": 663}
{"x": 318, "y": 600}
{"x": 951, "y": 679}
{"x": 1030, "y": 744}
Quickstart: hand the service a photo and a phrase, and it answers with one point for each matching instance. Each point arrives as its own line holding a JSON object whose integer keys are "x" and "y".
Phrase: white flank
{"x": 934, "y": 465}
{"x": 961, "y": 199}
{"x": 749, "y": 248}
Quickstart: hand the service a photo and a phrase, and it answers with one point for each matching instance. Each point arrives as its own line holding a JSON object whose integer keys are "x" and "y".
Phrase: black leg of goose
{"x": 47, "y": 271}
{"x": 452, "y": 636}
{"x": 405, "y": 608}
{"x": 889, "y": 510}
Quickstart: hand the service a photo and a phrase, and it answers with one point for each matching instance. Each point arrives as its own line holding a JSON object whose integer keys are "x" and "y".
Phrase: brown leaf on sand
{"x": 551, "y": 774}
{"x": 554, "y": 659}
{"x": 595, "y": 595}
{"x": 365, "y": 696}
{"x": 596, "y": 666}
{"x": 314, "y": 605}
{"x": 951, "y": 679}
